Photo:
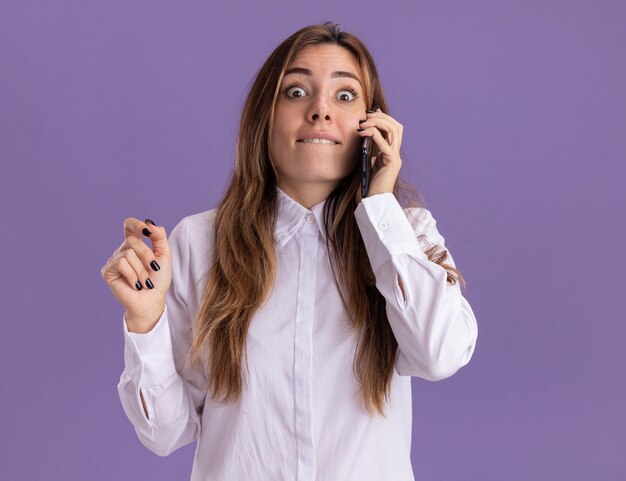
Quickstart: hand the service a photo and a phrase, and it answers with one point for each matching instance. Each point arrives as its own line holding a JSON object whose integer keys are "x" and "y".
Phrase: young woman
{"x": 280, "y": 329}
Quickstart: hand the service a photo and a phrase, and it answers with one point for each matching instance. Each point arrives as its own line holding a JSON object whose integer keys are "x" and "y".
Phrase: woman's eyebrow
{"x": 306, "y": 71}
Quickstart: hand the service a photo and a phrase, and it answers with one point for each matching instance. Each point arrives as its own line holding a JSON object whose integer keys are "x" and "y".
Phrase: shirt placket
{"x": 303, "y": 349}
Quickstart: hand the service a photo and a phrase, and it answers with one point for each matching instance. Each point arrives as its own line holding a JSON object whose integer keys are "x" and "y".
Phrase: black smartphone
{"x": 366, "y": 162}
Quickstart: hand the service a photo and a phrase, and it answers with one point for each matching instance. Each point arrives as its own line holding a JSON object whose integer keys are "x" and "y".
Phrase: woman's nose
{"x": 320, "y": 108}
{"x": 317, "y": 116}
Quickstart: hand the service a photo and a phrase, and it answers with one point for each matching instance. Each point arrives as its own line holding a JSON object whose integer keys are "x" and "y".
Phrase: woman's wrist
{"x": 144, "y": 323}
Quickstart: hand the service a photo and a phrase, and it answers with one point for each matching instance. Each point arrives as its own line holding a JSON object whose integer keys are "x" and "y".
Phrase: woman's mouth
{"x": 317, "y": 141}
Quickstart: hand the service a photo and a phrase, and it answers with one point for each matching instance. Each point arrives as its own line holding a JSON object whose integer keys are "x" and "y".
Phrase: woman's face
{"x": 323, "y": 98}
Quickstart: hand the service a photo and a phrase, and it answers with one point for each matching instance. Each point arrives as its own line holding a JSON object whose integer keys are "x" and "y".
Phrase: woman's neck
{"x": 307, "y": 194}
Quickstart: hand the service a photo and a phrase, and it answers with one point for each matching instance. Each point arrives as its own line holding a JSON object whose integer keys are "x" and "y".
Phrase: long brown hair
{"x": 243, "y": 267}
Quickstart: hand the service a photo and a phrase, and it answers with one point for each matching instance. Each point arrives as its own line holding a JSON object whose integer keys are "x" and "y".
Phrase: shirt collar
{"x": 291, "y": 215}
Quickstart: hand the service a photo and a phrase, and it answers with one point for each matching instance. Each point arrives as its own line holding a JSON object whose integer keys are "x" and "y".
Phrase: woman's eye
{"x": 347, "y": 94}
{"x": 350, "y": 91}
{"x": 293, "y": 88}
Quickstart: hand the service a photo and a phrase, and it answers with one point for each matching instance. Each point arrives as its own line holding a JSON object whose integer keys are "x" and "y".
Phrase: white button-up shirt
{"x": 300, "y": 417}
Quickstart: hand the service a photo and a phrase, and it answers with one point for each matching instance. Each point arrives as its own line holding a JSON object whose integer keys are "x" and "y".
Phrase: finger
{"x": 156, "y": 234}
{"x": 141, "y": 273}
{"x": 139, "y": 229}
{"x": 383, "y": 124}
{"x": 143, "y": 252}
{"x": 120, "y": 267}
{"x": 398, "y": 127}
{"x": 380, "y": 141}
{"x": 373, "y": 119}
{"x": 388, "y": 117}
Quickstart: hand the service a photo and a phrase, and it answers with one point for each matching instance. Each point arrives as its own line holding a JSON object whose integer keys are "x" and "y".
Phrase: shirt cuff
{"x": 148, "y": 357}
{"x": 385, "y": 229}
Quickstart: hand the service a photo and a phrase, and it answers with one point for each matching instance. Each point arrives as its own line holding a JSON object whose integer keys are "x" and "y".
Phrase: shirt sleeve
{"x": 153, "y": 362}
{"x": 433, "y": 323}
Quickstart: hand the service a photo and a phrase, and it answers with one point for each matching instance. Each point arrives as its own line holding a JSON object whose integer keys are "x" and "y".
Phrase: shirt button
{"x": 382, "y": 225}
{"x": 310, "y": 218}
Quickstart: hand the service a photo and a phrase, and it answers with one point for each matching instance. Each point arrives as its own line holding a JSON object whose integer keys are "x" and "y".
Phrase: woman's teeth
{"x": 318, "y": 141}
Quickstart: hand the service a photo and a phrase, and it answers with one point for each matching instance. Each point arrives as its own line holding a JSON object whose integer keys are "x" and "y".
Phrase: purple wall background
{"x": 514, "y": 129}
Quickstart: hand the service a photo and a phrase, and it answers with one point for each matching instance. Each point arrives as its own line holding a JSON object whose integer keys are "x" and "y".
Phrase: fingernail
{"x": 370, "y": 111}
{"x": 149, "y": 283}
{"x": 359, "y": 130}
{"x": 151, "y": 222}
{"x": 361, "y": 121}
{"x": 146, "y": 232}
{"x": 138, "y": 285}
{"x": 155, "y": 265}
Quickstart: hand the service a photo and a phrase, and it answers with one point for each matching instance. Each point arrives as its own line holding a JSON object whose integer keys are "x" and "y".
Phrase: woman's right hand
{"x": 128, "y": 269}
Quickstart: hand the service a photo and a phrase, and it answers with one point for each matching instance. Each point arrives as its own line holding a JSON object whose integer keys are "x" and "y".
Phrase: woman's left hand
{"x": 385, "y": 170}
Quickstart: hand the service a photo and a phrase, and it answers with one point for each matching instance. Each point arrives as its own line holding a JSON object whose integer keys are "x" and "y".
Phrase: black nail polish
{"x": 149, "y": 283}
{"x": 146, "y": 232}
{"x": 359, "y": 130}
{"x": 155, "y": 265}
{"x": 370, "y": 111}
{"x": 361, "y": 121}
{"x": 138, "y": 285}
{"x": 151, "y": 222}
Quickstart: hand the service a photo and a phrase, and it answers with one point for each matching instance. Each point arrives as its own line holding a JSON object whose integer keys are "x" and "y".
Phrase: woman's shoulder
{"x": 194, "y": 233}
{"x": 200, "y": 222}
